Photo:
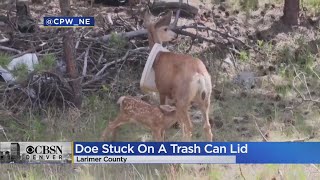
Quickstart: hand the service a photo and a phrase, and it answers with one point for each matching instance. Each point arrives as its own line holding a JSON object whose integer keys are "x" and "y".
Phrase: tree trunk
{"x": 69, "y": 56}
{"x": 291, "y": 12}
{"x": 25, "y": 22}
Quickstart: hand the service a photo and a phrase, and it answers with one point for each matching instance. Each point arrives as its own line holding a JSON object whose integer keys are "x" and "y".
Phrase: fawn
{"x": 134, "y": 110}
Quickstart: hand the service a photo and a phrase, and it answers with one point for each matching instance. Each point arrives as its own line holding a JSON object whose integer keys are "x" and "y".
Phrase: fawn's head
{"x": 170, "y": 114}
{"x": 159, "y": 31}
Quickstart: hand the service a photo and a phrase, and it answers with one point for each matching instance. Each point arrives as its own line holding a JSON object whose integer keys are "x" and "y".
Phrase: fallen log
{"x": 187, "y": 11}
{"x": 127, "y": 35}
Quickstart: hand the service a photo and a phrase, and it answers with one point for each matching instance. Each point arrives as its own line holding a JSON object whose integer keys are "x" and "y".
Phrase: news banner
{"x": 161, "y": 152}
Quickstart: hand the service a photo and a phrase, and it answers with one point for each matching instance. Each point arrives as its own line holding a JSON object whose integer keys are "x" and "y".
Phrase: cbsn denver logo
{"x": 26, "y": 152}
{"x": 44, "y": 152}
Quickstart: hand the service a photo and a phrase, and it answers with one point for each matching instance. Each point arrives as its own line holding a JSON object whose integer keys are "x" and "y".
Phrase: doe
{"x": 179, "y": 77}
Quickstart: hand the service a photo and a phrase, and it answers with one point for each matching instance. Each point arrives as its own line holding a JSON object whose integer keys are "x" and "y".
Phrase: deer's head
{"x": 159, "y": 31}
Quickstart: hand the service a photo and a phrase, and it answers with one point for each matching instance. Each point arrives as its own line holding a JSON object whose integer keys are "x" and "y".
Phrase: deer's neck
{"x": 153, "y": 37}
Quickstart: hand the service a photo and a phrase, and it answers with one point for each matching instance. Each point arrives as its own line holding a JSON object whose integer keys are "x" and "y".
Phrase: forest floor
{"x": 268, "y": 92}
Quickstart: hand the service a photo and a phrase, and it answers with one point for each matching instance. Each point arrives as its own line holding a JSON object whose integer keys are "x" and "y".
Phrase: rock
{"x": 245, "y": 80}
{"x": 222, "y": 8}
{"x": 228, "y": 61}
{"x": 217, "y": 123}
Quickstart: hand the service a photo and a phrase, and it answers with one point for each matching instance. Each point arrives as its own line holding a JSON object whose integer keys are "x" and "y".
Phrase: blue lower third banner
{"x": 166, "y": 152}
{"x": 198, "y": 152}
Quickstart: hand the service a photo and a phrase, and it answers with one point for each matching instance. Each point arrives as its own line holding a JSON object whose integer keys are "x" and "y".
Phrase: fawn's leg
{"x": 120, "y": 120}
{"x": 156, "y": 133}
{"x": 163, "y": 135}
{"x": 162, "y": 99}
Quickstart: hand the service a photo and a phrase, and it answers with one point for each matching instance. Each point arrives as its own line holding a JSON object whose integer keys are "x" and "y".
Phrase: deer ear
{"x": 165, "y": 20}
{"x": 167, "y": 108}
{"x": 147, "y": 18}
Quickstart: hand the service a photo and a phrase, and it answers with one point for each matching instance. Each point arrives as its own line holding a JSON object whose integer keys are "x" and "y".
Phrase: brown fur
{"x": 180, "y": 77}
{"x": 133, "y": 110}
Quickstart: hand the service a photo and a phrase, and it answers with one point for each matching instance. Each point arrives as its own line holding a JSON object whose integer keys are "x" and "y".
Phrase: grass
{"x": 47, "y": 63}
{"x": 21, "y": 72}
{"x": 312, "y": 5}
{"x": 60, "y": 126}
{"x": 283, "y": 89}
{"x": 244, "y": 56}
{"x": 4, "y": 60}
{"x": 212, "y": 172}
{"x": 117, "y": 42}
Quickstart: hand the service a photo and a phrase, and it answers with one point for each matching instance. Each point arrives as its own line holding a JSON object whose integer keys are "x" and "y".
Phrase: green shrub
{"x": 47, "y": 63}
{"x": 4, "y": 59}
{"x": 117, "y": 42}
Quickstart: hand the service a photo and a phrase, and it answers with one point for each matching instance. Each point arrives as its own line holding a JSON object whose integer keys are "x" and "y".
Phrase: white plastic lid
{"x": 147, "y": 82}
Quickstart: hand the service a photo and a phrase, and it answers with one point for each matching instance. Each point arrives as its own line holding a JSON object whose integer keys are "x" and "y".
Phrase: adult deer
{"x": 179, "y": 77}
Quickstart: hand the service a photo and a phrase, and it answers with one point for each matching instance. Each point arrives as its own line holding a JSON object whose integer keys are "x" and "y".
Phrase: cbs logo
{"x": 30, "y": 149}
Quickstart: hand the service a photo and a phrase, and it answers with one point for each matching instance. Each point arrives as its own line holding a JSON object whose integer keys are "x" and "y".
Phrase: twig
{"x": 109, "y": 19}
{"x": 4, "y": 133}
{"x": 315, "y": 73}
{"x": 280, "y": 173}
{"x": 23, "y": 53}
{"x": 137, "y": 171}
{"x": 255, "y": 121}
{"x": 186, "y": 33}
{"x": 241, "y": 172}
{"x": 175, "y": 22}
{"x": 100, "y": 58}
{"x": 127, "y": 23}
{"x": 303, "y": 139}
{"x": 179, "y": 30}
{"x": 4, "y": 39}
{"x": 98, "y": 75}
{"x": 128, "y": 35}
{"x": 220, "y": 33}
{"x": 315, "y": 167}
{"x": 84, "y": 71}
{"x": 296, "y": 89}
{"x": 78, "y": 42}
{"x": 192, "y": 41}
{"x": 9, "y": 49}
{"x": 81, "y": 55}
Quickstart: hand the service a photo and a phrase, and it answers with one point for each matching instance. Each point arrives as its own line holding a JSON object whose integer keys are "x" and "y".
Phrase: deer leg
{"x": 163, "y": 135}
{"x": 185, "y": 121}
{"x": 156, "y": 133}
{"x": 162, "y": 99}
{"x": 113, "y": 127}
{"x": 104, "y": 134}
{"x": 205, "y": 113}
